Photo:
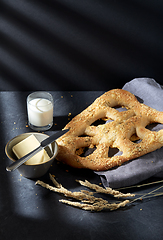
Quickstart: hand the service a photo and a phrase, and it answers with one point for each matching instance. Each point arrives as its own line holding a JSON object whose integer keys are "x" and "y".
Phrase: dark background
{"x": 63, "y": 46}
{"x": 79, "y": 45}
{"x": 31, "y": 212}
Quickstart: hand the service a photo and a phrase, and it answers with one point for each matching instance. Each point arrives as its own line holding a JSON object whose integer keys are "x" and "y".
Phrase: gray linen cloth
{"x": 149, "y": 92}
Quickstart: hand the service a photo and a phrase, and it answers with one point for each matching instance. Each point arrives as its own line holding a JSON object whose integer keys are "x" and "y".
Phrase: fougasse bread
{"x": 116, "y": 133}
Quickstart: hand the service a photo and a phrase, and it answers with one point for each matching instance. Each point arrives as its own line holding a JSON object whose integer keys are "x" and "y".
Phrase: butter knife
{"x": 43, "y": 144}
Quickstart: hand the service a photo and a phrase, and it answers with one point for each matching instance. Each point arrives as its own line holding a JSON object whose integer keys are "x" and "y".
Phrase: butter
{"x": 26, "y": 146}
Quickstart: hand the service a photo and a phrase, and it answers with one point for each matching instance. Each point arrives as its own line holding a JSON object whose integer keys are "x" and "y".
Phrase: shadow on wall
{"x": 47, "y": 45}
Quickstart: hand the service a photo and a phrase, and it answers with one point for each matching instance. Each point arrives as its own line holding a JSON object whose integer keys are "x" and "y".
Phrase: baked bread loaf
{"x": 117, "y": 133}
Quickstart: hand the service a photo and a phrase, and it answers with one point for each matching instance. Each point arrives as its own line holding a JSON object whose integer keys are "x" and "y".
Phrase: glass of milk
{"x": 40, "y": 110}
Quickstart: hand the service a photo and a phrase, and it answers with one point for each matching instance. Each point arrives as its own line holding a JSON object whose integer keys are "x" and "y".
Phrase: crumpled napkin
{"x": 149, "y": 92}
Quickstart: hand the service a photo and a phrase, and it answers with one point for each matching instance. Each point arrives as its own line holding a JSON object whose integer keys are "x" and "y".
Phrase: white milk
{"x": 40, "y": 112}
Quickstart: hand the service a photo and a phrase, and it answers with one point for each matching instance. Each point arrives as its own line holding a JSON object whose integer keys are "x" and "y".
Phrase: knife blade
{"x": 43, "y": 144}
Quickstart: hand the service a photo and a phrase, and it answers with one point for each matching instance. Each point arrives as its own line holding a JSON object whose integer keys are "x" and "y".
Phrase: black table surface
{"x": 29, "y": 211}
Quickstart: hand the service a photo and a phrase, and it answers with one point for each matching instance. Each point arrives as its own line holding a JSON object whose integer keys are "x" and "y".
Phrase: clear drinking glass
{"x": 40, "y": 110}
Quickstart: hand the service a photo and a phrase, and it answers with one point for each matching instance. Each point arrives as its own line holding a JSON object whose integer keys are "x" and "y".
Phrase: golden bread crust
{"x": 114, "y": 134}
